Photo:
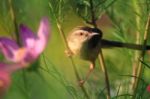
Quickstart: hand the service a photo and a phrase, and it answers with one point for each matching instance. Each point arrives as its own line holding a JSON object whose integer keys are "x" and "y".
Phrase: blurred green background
{"x": 54, "y": 76}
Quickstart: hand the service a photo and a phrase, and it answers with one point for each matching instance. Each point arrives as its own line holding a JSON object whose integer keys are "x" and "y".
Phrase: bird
{"x": 86, "y": 42}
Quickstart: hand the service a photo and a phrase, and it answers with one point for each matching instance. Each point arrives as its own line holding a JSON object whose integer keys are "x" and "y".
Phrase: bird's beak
{"x": 93, "y": 34}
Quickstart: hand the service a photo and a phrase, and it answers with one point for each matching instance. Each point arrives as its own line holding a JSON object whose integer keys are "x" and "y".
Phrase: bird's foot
{"x": 68, "y": 53}
{"x": 81, "y": 82}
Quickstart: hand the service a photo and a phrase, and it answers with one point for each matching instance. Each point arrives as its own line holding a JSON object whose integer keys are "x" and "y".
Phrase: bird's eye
{"x": 81, "y": 33}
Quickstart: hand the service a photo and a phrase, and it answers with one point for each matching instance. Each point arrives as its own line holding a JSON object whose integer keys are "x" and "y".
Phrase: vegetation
{"x": 120, "y": 73}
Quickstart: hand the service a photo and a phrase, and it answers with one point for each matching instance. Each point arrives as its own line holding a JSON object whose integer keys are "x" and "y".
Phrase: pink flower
{"x": 148, "y": 88}
{"x": 19, "y": 57}
{"x": 32, "y": 45}
{"x": 5, "y": 75}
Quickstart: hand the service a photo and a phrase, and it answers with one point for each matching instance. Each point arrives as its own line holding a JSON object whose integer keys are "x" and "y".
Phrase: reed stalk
{"x": 67, "y": 47}
{"x": 100, "y": 56}
{"x": 140, "y": 66}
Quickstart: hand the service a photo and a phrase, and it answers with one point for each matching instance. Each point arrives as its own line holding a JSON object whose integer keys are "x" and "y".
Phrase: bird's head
{"x": 84, "y": 34}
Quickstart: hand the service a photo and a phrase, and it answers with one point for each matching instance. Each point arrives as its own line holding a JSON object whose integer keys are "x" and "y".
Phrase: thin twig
{"x": 65, "y": 42}
{"x": 148, "y": 66}
{"x": 141, "y": 68}
{"x": 100, "y": 57}
{"x": 137, "y": 53}
{"x": 118, "y": 90}
{"x": 93, "y": 18}
{"x": 104, "y": 69}
{"x": 141, "y": 79}
{"x": 67, "y": 47}
{"x": 71, "y": 59}
{"x": 122, "y": 95}
{"x": 13, "y": 18}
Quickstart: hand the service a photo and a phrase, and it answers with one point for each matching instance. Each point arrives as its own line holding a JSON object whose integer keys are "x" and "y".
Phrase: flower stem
{"x": 17, "y": 36}
{"x": 13, "y": 18}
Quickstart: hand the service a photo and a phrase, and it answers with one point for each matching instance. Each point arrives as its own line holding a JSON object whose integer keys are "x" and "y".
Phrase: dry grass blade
{"x": 104, "y": 69}
{"x": 71, "y": 59}
{"x": 140, "y": 69}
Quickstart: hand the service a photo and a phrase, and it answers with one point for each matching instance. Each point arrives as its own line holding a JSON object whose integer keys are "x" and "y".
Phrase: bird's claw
{"x": 81, "y": 82}
{"x": 68, "y": 53}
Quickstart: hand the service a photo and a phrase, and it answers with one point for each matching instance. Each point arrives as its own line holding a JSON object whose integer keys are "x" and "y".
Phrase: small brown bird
{"x": 86, "y": 42}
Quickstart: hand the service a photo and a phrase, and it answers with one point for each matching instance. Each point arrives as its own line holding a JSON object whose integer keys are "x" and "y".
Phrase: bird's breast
{"x": 74, "y": 47}
{"x": 88, "y": 53}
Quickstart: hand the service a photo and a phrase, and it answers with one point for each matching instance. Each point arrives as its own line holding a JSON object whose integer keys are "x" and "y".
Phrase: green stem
{"x": 104, "y": 69}
{"x": 93, "y": 19}
{"x": 100, "y": 57}
{"x": 66, "y": 44}
{"x": 16, "y": 31}
{"x": 13, "y": 17}
{"x": 141, "y": 68}
{"x": 71, "y": 59}
{"x": 137, "y": 54}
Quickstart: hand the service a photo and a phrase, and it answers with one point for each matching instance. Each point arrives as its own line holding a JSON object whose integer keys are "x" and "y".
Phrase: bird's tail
{"x": 107, "y": 44}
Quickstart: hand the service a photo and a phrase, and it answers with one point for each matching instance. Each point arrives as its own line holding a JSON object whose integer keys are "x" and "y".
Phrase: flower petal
{"x": 10, "y": 68}
{"x": 5, "y": 74}
{"x": 4, "y": 82}
{"x": 43, "y": 35}
{"x": 148, "y": 88}
{"x": 27, "y": 36}
{"x": 8, "y": 47}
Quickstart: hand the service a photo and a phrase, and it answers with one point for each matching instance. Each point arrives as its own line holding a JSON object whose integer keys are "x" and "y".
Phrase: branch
{"x": 101, "y": 57}
{"x": 93, "y": 19}
{"x": 67, "y": 47}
